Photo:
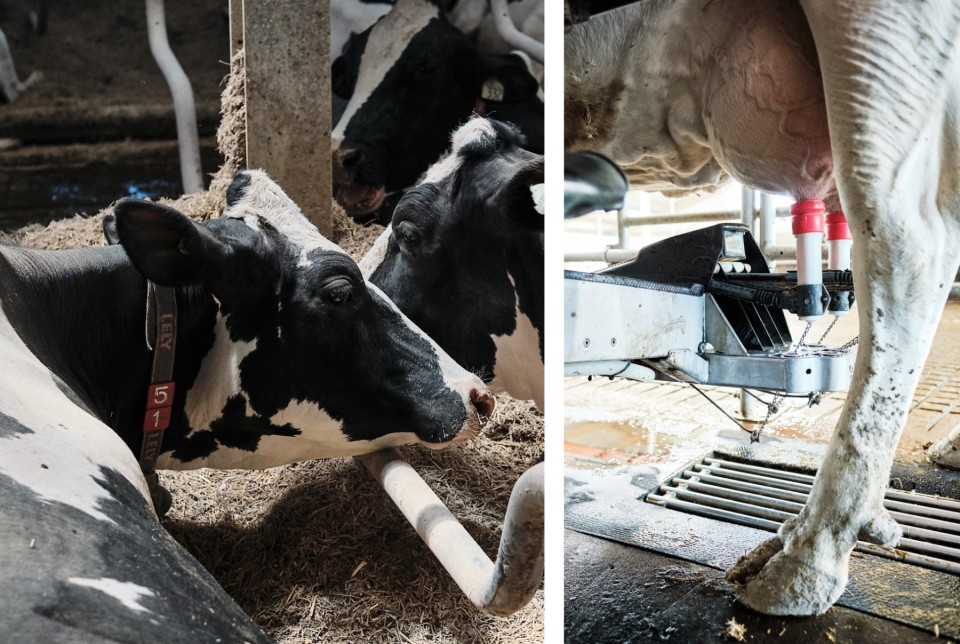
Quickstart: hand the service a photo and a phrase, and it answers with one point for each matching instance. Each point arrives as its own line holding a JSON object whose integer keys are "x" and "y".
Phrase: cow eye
{"x": 338, "y": 291}
{"x": 428, "y": 68}
{"x": 408, "y": 233}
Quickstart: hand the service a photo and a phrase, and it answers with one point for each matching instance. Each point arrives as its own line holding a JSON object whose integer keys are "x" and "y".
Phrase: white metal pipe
{"x": 513, "y": 36}
{"x": 11, "y": 87}
{"x": 694, "y": 217}
{"x": 748, "y": 208}
{"x": 498, "y": 588}
{"x": 609, "y": 255}
{"x": 183, "y": 105}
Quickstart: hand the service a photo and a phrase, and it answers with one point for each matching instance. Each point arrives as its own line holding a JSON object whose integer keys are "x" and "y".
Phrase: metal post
{"x": 183, "y": 105}
{"x": 622, "y": 238}
{"x": 768, "y": 227}
{"x": 747, "y": 209}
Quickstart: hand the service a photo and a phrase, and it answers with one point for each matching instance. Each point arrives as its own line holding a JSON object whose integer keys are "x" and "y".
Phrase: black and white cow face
{"x": 410, "y": 80}
{"x": 463, "y": 257}
{"x": 306, "y": 359}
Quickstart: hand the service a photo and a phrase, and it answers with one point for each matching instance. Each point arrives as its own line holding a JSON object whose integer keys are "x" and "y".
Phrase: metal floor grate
{"x": 764, "y": 497}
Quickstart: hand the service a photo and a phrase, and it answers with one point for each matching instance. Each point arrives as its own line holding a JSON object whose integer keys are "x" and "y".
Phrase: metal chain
{"x": 829, "y": 328}
{"x": 849, "y": 345}
{"x": 772, "y": 407}
{"x": 803, "y": 336}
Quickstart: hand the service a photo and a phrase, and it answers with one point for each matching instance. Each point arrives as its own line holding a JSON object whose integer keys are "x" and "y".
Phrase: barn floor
{"x": 622, "y": 439}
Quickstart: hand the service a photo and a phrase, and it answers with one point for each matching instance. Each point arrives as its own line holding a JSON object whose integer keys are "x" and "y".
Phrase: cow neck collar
{"x": 161, "y": 337}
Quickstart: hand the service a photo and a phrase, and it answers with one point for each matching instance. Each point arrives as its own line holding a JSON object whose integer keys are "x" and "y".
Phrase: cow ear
{"x": 521, "y": 197}
{"x": 505, "y": 78}
{"x": 165, "y": 245}
{"x": 109, "y": 224}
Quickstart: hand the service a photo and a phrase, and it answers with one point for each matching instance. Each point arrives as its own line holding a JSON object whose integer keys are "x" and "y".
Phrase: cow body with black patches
{"x": 283, "y": 353}
{"x": 463, "y": 257}
{"x": 854, "y": 102}
{"x": 410, "y": 80}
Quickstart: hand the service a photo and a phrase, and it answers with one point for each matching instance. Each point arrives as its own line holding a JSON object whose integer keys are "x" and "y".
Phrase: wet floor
{"x": 623, "y": 437}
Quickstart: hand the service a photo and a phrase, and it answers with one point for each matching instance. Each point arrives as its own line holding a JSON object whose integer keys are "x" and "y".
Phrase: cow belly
{"x": 763, "y": 103}
{"x": 66, "y": 576}
{"x": 50, "y": 445}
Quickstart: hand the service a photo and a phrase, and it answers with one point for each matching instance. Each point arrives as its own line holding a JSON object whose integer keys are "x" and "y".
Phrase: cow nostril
{"x": 483, "y": 402}
{"x": 350, "y": 158}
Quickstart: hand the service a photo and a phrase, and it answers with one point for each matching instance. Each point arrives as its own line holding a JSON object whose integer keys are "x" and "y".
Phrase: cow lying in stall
{"x": 410, "y": 80}
{"x": 277, "y": 339}
{"x": 463, "y": 257}
{"x": 855, "y": 102}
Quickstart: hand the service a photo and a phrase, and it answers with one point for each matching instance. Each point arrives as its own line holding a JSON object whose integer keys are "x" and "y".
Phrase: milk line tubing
{"x": 778, "y": 289}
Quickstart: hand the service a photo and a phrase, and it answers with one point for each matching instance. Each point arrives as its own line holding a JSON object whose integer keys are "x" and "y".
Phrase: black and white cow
{"x": 283, "y": 353}
{"x": 411, "y": 79}
{"x": 463, "y": 257}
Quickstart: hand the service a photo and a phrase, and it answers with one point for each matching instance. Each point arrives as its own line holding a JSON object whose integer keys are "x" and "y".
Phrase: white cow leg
{"x": 803, "y": 571}
{"x": 896, "y": 148}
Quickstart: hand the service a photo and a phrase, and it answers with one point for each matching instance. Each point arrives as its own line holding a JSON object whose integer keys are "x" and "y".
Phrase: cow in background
{"x": 463, "y": 257}
{"x": 410, "y": 80}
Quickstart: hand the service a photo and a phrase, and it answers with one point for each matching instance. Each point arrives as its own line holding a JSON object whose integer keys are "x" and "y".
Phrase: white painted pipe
{"x": 11, "y": 87}
{"x": 183, "y": 105}
{"x": 515, "y": 38}
{"x": 608, "y": 255}
{"x": 498, "y": 588}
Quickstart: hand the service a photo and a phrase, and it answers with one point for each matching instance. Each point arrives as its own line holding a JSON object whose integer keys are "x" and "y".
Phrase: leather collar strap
{"x": 161, "y": 389}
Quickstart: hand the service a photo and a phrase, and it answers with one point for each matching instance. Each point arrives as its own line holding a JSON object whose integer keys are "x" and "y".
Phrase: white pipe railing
{"x": 183, "y": 104}
{"x": 498, "y": 588}
{"x": 515, "y": 38}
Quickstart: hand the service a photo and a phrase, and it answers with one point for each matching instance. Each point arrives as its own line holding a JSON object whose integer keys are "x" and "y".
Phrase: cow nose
{"x": 346, "y": 163}
{"x": 349, "y": 158}
{"x": 483, "y": 402}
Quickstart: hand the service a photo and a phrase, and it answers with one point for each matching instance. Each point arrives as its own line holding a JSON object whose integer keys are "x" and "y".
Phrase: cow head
{"x": 463, "y": 257}
{"x": 304, "y": 351}
{"x": 410, "y": 79}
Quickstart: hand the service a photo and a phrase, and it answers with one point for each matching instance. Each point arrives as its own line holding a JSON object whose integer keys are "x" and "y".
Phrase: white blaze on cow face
{"x": 386, "y": 43}
{"x": 125, "y": 592}
{"x": 57, "y": 465}
{"x": 262, "y": 197}
{"x": 217, "y": 381}
{"x": 375, "y": 256}
{"x": 474, "y": 129}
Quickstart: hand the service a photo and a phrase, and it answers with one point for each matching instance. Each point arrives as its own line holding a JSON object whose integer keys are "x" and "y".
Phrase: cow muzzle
{"x": 346, "y": 162}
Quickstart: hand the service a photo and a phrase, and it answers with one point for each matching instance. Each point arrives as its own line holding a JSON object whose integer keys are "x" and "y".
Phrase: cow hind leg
{"x": 895, "y": 152}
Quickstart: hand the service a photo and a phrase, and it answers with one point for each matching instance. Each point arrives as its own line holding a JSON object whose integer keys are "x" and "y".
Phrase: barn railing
{"x": 500, "y": 587}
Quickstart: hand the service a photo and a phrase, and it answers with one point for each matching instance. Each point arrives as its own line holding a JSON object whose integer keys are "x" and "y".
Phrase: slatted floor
{"x": 764, "y": 497}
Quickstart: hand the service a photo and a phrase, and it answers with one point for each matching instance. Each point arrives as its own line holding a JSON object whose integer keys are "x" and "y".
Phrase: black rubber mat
{"x": 612, "y": 505}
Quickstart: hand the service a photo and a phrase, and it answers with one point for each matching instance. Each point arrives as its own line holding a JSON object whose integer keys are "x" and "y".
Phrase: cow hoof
{"x": 946, "y": 451}
{"x": 161, "y": 497}
{"x": 883, "y": 530}
{"x": 776, "y": 583}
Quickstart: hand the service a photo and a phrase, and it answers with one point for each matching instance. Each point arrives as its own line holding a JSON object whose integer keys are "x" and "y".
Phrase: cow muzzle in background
{"x": 355, "y": 197}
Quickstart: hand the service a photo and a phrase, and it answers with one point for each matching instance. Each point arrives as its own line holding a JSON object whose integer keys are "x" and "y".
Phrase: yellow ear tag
{"x": 492, "y": 90}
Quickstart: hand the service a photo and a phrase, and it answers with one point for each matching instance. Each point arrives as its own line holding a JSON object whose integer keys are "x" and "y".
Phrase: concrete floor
{"x": 616, "y": 428}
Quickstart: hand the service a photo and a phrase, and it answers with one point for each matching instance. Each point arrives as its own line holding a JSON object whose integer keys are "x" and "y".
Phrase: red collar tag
{"x": 161, "y": 389}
